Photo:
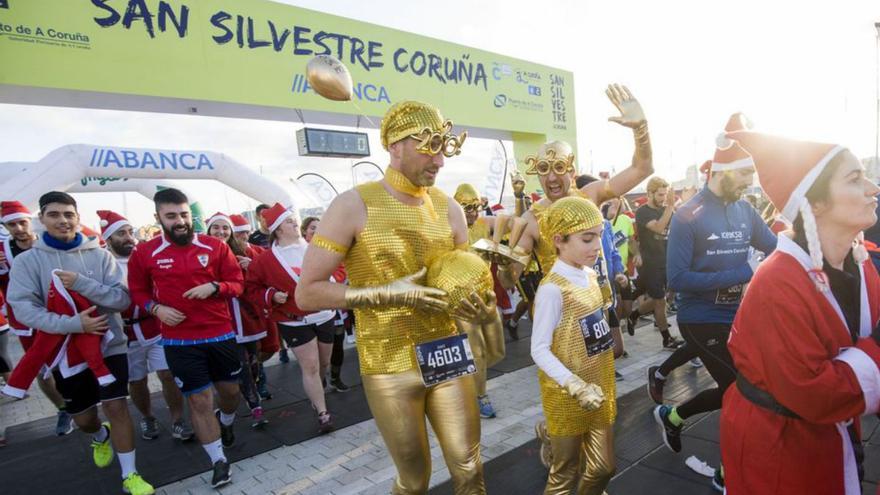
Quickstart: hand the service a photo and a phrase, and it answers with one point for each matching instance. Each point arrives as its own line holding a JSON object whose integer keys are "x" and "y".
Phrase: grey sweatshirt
{"x": 100, "y": 280}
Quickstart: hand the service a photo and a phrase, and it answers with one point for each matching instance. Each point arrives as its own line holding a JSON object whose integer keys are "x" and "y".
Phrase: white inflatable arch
{"x": 64, "y": 168}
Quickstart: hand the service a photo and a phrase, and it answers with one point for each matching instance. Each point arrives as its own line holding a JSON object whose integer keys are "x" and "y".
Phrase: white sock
{"x": 126, "y": 462}
{"x": 215, "y": 451}
{"x": 658, "y": 375}
{"x": 101, "y": 435}
{"x": 226, "y": 419}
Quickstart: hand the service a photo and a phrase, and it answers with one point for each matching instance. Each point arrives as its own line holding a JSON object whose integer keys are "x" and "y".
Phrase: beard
{"x": 179, "y": 236}
{"x": 123, "y": 249}
{"x": 729, "y": 191}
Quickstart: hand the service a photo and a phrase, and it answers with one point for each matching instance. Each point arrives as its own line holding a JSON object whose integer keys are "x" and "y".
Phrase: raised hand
{"x": 631, "y": 113}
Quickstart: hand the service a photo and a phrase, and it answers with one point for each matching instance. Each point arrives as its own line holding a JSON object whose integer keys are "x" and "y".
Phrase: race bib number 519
{"x": 597, "y": 333}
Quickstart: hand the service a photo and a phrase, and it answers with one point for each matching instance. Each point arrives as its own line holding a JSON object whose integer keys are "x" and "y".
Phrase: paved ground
{"x": 353, "y": 460}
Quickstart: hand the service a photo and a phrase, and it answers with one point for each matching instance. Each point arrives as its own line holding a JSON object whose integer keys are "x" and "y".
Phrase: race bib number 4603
{"x": 597, "y": 333}
{"x": 444, "y": 359}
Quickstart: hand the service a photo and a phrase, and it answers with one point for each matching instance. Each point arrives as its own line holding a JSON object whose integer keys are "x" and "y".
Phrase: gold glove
{"x": 482, "y": 312}
{"x": 405, "y": 291}
{"x": 588, "y": 395}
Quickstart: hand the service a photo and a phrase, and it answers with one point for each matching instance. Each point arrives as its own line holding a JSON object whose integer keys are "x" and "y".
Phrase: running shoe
{"x": 671, "y": 433}
{"x": 718, "y": 480}
{"x": 672, "y": 343}
{"x": 262, "y": 386}
{"x": 135, "y": 485}
{"x": 102, "y": 452}
{"x": 513, "y": 329}
{"x": 545, "y": 454}
{"x": 258, "y": 420}
{"x": 149, "y": 428}
{"x": 655, "y": 385}
{"x": 337, "y": 385}
{"x": 283, "y": 356}
{"x": 618, "y": 376}
{"x": 486, "y": 409}
{"x": 696, "y": 363}
{"x": 227, "y": 433}
{"x": 631, "y": 321}
{"x": 64, "y": 424}
{"x": 221, "y": 474}
{"x": 325, "y": 422}
{"x": 182, "y": 431}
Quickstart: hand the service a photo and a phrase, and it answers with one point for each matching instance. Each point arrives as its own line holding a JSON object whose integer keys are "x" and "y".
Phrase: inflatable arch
{"x": 66, "y": 168}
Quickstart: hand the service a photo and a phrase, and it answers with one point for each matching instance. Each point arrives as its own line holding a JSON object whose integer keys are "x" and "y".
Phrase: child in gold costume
{"x": 572, "y": 346}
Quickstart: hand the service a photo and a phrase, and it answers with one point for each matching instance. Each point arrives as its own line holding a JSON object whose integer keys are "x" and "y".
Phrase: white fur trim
{"x": 112, "y": 228}
{"x": 16, "y": 392}
{"x": 241, "y": 228}
{"x": 793, "y": 202}
{"x": 217, "y": 218}
{"x": 850, "y": 471}
{"x": 22, "y": 332}
{"x": 106, "y": 379}
{"x": 866, "y": 373}
{"x": 14, "y": 216}
{"x": 281, "y": 218}
{"x": 734, "y": 165}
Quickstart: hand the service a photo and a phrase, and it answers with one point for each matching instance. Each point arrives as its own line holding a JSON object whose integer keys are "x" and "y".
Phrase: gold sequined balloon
{"x": 459, "y": 273}
{"x": 568, "y": 216}
{"x": 329, "y": 78}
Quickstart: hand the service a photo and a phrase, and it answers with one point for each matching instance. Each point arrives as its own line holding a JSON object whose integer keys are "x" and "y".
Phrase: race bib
{"x": 729, "y": 295}
{"x": 597, "y": 333}
{"x": 599, "y": 267}
{"x": 619, "y": 239}
{"x": 444, "y": 359}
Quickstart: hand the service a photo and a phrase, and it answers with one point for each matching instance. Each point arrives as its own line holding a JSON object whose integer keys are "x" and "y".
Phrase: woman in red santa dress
{"x": 250, "y": 328}
{"x": 270, "y": 284}
{"x": 804, "y": 340}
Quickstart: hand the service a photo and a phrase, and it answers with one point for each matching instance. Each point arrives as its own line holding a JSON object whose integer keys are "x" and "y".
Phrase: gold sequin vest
{"x": 398, "y": 240}
{"x": 565, "y": 417}
{"x": 545, "y": 250}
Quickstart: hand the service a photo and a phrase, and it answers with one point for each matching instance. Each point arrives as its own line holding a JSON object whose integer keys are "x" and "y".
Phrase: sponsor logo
{"x": 203, "y": 260}
{"x": 737, "y": 234}
{"x": 361, "y": 91}
{"x": 534, "y": 90}
{"x": 157, "y": 160}
{"x": 500, "y": 70}
{"x": 500, "y": 101}
{"x": 713, "y": 237}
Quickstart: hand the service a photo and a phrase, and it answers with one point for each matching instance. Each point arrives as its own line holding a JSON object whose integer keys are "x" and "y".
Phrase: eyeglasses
{"x": 433, "y": 142}
{"x": 559, "y": 166}
{"x": 470, "y": 208}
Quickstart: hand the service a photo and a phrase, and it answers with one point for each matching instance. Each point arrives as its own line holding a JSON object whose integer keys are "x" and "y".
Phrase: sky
{"x": 805, "y": 71}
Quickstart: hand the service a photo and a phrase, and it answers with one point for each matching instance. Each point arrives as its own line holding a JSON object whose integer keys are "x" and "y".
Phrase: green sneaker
{"x": 102, "y": 452}
{"x": 135, "y": 485}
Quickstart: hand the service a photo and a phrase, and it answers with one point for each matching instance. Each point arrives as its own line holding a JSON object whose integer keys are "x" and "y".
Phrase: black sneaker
{"x": 338, "y": 385}
{"x": 618, "y": 376}
{"x": 227, "y": 435}
{"x": 671, "y": 433}
{"x": 513, "y": 329}
{"x": 221, "y": 474}
{"x": 325, "y": 422}
{"x": 718, "y": 480}
{"x": 631, "y": 321}
{"x": 655, "y": 385}
{"x": 672, "y": 343}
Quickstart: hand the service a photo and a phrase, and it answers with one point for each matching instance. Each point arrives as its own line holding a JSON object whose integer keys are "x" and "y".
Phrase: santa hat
{"x": 218, "y": 217}
{"x": 111, "y": 222}
{"x": 240, "y": 223}
{"x": 786, "y": 170}
{"x": 275, "y": 215}
{"x": 13, "y": 210}
{"x": 729, "y": 155}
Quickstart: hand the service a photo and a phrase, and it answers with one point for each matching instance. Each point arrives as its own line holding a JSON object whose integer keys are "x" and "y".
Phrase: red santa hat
{"x": 111, "y": 222}
{"x": 240, "y": 223}
{"x": 218, "y": 217}
{"x": 275, "y": 215}
{"x": 730, "y": 155}
{"x": 13, "y": 210}
{"x": 786, "y": 170}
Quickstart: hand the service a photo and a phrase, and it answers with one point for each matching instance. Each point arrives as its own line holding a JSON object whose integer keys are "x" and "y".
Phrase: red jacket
{"x": 160, "y": 271}
{"x": 247, "y": 320}
{"x": 139, "y": 325}
{"x": 17, "y": 328}
{"x": 790, "y": 340}
{"x": 266, "y": 276}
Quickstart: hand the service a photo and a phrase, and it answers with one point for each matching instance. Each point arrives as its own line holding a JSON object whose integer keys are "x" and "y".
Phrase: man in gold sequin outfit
{"x": 386, "y": 233}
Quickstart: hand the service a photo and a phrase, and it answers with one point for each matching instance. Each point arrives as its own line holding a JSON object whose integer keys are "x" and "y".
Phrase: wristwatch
{"x": 216, "y": 288}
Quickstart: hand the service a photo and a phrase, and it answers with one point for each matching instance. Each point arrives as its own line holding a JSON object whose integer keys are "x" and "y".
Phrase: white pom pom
{"x": 722, "y": 142}
{"x": 104, "y": 223}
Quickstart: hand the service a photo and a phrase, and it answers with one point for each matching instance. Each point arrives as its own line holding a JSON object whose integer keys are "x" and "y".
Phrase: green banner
{"x": 254, "y": 53}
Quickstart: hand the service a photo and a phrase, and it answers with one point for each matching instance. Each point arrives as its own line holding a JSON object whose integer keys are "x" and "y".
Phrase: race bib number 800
{"x": 597, "y": 333}
{"x": 444, "y": 359}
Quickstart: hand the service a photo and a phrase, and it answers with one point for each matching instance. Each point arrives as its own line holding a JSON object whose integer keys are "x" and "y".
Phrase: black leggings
{"x": 338, "y": 354}
{"x": 250, "y": 369}
{"x": 681, "y": 355}
{"x": 709, "y": 340}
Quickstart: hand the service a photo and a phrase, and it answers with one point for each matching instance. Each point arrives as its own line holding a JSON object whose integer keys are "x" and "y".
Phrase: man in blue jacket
{"x": 715, "y": 242}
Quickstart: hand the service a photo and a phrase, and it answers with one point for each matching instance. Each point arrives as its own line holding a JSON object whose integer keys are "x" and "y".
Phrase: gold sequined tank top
{"x": 479, "y": 230}
{"x": 398, "y": 240}
{"x": 565, "y": 417}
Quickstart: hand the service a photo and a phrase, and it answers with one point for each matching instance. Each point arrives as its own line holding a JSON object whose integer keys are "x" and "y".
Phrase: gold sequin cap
{"x": 459, "y": 273}
{"x": 569, "y": 215}
{"x": 421, "y": 121}
{"x": 466, "y": 194}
